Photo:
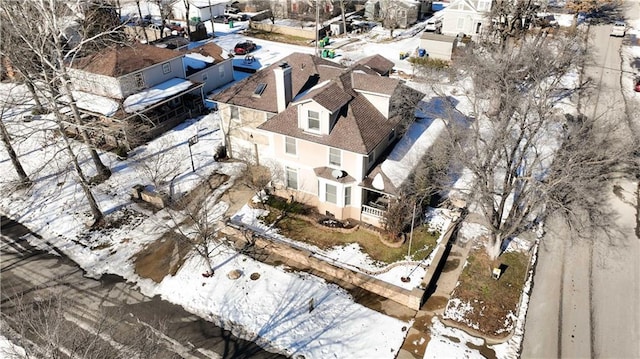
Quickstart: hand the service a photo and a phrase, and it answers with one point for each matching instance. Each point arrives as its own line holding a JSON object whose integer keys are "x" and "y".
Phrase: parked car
{"x": 221, "y": 19}
{"x": 619, "y": 29}
{"x": 636, "y": 87}
{"x": 433, "y": 25}
{"x": 245, "y": 47}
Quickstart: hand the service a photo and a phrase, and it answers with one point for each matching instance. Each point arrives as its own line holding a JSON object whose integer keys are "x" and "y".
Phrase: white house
{"x": 200, "y": 9}
{"x": 465, "y": 16}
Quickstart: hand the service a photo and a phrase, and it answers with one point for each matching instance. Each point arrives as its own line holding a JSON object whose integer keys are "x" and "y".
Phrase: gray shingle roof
{"x": 359, "y": 128}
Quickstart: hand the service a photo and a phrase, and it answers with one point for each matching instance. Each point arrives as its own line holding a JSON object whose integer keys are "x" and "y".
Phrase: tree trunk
{"x": 84, "y": 184}
{"x": 494, "y": 247}
{"x": 144, "y": 31}
{"x": 213, "y": 33}
{"x": 34, "y": 94}
{"x": 103, "y": 171}
{"x": 344, "y": 19}
{"x": 24, "y": 179}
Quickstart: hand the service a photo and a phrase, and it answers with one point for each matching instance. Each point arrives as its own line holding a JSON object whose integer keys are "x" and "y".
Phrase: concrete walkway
{"x": 418, "y": 337}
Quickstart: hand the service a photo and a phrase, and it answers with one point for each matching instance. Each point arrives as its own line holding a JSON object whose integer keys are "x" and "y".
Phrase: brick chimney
{"x": 283, "y": 85}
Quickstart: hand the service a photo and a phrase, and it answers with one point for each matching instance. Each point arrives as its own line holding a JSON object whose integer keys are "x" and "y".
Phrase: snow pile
{"x": 9, "y": 350}
{"x": 449, "y": 342}
{"x": 197, "y": 61}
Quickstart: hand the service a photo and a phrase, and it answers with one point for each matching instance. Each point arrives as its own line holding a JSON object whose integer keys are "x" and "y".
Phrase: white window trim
{"x": 295, "y": 146}
{"x": 288, "y": 169}
{"x": 308, "y": 118}
{"x": 340, "y": 159}
{"x": 166, "y": 68}
{"x": 336, "y": 193}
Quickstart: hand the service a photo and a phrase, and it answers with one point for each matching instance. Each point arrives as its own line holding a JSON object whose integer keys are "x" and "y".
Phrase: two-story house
{"x": 399, "y": 13}
{"x": 324, "y": 126}
{"x": 130, "y": 94}
{"x": 465, "y": 16}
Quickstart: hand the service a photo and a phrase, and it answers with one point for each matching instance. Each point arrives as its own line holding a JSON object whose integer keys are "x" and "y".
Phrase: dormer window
{"x": 313, "y": 118}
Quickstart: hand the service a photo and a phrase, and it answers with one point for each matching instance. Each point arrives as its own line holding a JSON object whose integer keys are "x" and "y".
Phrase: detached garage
{"x": 438, "y": 46}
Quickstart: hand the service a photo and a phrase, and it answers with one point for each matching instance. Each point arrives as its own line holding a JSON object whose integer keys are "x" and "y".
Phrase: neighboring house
{"x": 465, "y": 16}
{"x": 199, "y": 10}
{"x": 130, "y": 94}
{"x": 323, "y": 126}
{"x": 208, "y": 64}
{"x": 396, "y": 13}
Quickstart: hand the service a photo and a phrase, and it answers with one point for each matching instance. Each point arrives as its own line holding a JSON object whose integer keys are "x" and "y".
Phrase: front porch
{"x": 125, "y": 131}
{"x": 374, "y": 206}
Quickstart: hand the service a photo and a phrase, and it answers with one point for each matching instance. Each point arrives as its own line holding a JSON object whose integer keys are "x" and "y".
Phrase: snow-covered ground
{"x": 273, "y": 309}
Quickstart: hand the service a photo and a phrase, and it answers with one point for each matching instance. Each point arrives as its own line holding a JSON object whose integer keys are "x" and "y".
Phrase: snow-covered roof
{"x": 197, "y": 61}
{"x": 95, "y": 103}
{"x": 207, "y": 3}
{"x": 141, "y": 100}
{"x": 410, "y": 149}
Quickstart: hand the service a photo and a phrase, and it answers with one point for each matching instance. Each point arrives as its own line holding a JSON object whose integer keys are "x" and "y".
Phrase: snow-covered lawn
{"x": 273, "y": 308}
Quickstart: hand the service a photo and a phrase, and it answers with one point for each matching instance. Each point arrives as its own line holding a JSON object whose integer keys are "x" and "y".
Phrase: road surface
{"x": 586, "y": 296}
{"x": 29, "y": 271}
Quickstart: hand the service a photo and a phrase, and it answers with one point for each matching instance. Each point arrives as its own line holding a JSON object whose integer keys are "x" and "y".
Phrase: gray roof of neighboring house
{"x": 116, "y": 61}
{"x": 378, "y": 63}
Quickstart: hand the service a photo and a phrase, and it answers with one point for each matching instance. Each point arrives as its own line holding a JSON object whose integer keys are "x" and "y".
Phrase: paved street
{"x": 26, "y": 270}
{"x": 586, "y": 295}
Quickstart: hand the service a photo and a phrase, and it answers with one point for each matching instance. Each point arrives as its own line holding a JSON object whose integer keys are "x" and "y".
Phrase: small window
{"x": 371, "y": 158}
{"x": 460, "y": 23}
{"x": 221, "y": 71}
{"x": 335, "y": 157}
{"x": 314, "y": 120}
{"x": 259, "y": 89}
{"x": 235, "y": 114}
{"x": 291, "y": 177}
{"x": 331, "y": 193}
{"x": 166, "y": 68}
{"x": 290, "y": 145}
{"x": 139, "y": 80}
{"x": 347, "y": 196}
{"x": 392, "y": 135}
{"x": 205, "y": 77}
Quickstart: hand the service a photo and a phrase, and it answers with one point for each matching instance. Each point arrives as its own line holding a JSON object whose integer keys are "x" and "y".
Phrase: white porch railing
{"x": 372, "y": 211}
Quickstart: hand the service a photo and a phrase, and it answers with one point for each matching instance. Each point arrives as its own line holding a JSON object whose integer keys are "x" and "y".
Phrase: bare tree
{"x": 140, "y": 18}
{"x": 161, "y": 167}
{"x": 187, "y": 6}
{"x": 510, "y": 19}
{"x": 53, "y": 52}
{"x": 46, "y": 326}
{"x": 11, "y": 101}
{"x": 526, "y": 159}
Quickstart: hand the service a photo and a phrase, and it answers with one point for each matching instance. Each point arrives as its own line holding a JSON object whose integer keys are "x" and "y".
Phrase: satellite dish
{"x": 377, "y": 182}
{"x": 336, "y": 174}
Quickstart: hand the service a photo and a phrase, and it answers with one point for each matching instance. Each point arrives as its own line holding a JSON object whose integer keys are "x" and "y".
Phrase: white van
{"x": 619, "y": 29}
{"x": 434, "y": 24}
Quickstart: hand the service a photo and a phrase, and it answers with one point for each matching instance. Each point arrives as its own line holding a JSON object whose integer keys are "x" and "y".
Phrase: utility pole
{"x": 317, "y": 23}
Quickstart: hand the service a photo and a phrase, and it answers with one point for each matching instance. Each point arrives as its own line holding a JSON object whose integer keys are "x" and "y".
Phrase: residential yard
{"x": 483, "y": 303}
{"x": 273, "y": 36}
{"x": 422, "y": 244}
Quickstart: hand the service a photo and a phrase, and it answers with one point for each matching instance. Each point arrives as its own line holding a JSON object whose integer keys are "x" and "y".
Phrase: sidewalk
{"x": 418, "y": 337}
